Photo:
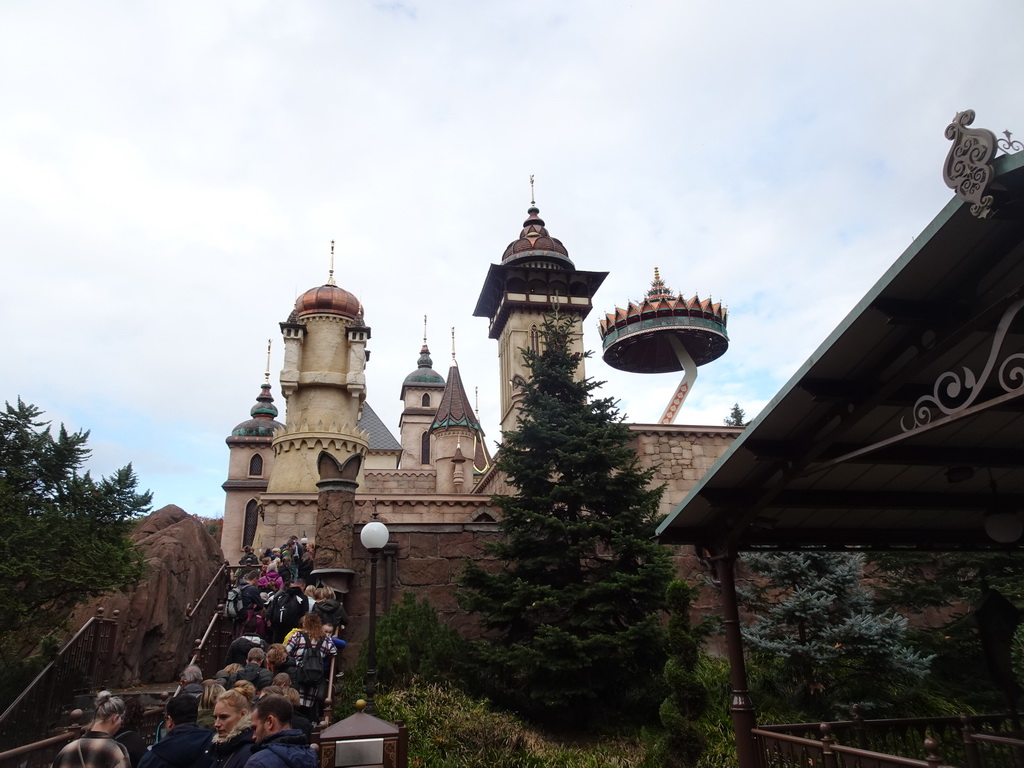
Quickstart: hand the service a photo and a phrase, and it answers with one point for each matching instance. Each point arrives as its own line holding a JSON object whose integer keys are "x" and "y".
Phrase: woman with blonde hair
{"x": 97, "y": 748}
{"x": 211, "y": 690}
{"x": 246, "y": 688}
{"x": 310, "y": 640}
{"x": 233, "y": 733}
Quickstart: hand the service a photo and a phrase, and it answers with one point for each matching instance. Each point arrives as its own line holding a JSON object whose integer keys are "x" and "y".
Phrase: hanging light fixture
{"x": 1002, "y": 524}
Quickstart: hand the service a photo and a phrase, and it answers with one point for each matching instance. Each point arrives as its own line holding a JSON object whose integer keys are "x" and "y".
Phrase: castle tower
{"x": 535, "y": 277}
{"x": 324, "y": 386}
{"x": 454, "y": 430}
{"x": 421, "y": 395}
{"x": 250, "y": 461}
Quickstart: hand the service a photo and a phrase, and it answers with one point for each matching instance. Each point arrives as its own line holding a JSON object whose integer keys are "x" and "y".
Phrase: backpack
{"x": 234, "y": 604}
{"x": 285, "y": 608}
{"x": 311, "y": 669}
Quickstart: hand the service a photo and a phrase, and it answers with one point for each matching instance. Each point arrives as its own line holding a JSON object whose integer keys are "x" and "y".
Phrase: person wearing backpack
{"x": 287, "y": 607}
{"x": 310, "y": 648}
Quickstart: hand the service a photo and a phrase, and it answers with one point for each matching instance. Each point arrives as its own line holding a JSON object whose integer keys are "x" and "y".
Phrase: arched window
{"x": 534, "y": 339}
{"x": 251, "y": 518}
{"x": 426, "y": 401}
{"x": 425, "y": 448}
{"x": 256, "y": 465}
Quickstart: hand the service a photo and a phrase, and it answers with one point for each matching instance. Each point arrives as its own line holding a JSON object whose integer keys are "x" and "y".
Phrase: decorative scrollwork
{"x": 1009, "y": 145}
{"x": 953, "y": 392}
{"x": 967, "y": 170}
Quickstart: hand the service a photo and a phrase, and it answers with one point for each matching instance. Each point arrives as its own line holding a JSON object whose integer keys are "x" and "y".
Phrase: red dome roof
{"x": 327, "y": 300}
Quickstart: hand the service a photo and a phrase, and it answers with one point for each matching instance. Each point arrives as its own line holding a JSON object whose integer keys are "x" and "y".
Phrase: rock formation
{"x": 154, "y": 639}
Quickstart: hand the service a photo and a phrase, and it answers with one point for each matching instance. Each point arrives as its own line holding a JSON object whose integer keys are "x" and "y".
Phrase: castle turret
{"x": 324, "y": 385}
{"x": 251, "y": 458}
{"x": 455, "y": 427}
{"x": 421, "y": 395}
{"x": 535, "y": 277}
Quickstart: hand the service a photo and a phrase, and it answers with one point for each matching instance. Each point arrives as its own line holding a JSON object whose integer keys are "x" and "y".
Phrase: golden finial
{"x": 533, "y": 197}
{"x": 266, "y": 374}
{"x": 453, "y": 346}
{"x": 330, "y": 274}
{"x": 424, "y": 330}
{"x": 656, "y": 275}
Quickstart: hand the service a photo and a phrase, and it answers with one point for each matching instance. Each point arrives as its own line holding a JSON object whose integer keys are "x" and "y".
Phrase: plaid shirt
{"x": 296, "y": 647}
{"x": 94, "y": 750}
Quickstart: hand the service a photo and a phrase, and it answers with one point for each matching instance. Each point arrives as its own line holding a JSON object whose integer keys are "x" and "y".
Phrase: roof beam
{"x": 843, "y": 500}
{"x": 897, "y": 455}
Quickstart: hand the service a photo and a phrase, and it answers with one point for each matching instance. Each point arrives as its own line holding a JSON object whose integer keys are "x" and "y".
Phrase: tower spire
{"x": 330, "y": 273}
{"x": 266, "y": 373}
{"x": 424, "y": 330}
{"x": 533, "y": 197}
{"x": 454, "y": 363}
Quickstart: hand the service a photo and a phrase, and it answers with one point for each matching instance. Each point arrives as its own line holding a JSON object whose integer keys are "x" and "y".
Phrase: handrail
{"x": 82, "y": 663}
{"x": 828, "y": 748}
{"x": 224, "y": 567}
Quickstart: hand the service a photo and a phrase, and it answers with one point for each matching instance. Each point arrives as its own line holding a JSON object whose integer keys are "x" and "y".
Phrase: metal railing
{"x": 782, "y": 750}
{"x": 42, "y": 753}
{"x": 996, "y": 745}
{"x": 83, "y": 664}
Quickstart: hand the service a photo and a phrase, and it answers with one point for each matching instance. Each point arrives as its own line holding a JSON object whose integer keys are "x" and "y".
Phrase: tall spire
{"x": 330, "y": 273}
{"x": 266, "y": 373}
{"x": 454, "y": 363}
{"x": 454, "y": 410}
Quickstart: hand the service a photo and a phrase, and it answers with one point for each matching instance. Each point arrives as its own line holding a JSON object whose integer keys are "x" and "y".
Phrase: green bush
{"x": 448, "y": 729}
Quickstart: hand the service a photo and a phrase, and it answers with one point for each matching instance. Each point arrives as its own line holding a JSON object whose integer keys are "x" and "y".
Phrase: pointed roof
{"x": 534, "y": 241}
{"x": 259, "y": 428}
{"x": 454, "y": 410}
{"x": 424, "y": 375}
{"x": 381, "y": 438}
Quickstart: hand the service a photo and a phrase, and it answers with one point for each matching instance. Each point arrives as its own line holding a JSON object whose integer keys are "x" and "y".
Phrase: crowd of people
{"x": 259, "y": 710}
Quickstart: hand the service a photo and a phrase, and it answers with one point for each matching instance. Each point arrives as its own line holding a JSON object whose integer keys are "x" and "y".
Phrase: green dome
{"x": 424, "y": 375}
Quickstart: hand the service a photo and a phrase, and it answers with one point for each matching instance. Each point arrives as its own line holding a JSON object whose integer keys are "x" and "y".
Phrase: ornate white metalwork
{"x": 1009, "y": 145}
{"x": 950, "y": 386}
{"x": 967, "y": 170}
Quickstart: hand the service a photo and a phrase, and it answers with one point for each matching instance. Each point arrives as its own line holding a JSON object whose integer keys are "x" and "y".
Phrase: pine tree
{"x": 688, "y": 698}
{"x": 574, "y": 611}
{"x": 737, "y": 417}
{"x": 818, "y": 623}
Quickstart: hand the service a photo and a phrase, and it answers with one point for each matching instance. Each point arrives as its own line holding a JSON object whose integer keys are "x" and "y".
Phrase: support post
{"x": 744, "y": 719}
{"x": 371, "y": 651}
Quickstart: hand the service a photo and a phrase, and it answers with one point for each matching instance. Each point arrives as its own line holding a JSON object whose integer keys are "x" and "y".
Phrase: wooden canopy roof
{"x": 896, "y": 430}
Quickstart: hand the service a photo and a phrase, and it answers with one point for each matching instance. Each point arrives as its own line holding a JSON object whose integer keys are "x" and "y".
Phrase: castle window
{"x": 426, "y": 401}
{"x": 534, "y": 339}
{"x": 256, "y": 465}
{"x": 425, "y": 448}
{"x": 251, "y": 518}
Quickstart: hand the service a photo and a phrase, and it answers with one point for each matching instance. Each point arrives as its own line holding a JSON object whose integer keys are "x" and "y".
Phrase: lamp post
{"x": 373, "y": 536}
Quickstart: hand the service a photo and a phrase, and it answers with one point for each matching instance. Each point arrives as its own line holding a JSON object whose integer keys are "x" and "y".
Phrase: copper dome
{"x": 327, "y": 300}
{"x": 535, "y": 241}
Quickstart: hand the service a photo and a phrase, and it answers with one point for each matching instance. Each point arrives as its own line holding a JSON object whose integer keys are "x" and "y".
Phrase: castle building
{"x": 432, "y": 485}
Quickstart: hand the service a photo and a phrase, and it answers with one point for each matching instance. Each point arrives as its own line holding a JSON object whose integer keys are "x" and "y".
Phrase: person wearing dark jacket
{"x": 238, "y": 651}
{"x": 278, "y": 745}
{"x": 186, "y": 743}
{"x": 232, "y": 742}
{"x": 286, "y": 609}
{"x": 329, "y": 609}
{"x": 254, "y": 670}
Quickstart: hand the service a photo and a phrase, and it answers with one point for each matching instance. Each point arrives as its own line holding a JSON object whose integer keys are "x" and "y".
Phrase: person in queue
{"x": 232, "y": 741}
{"x": 278, "y": 745}
{"x": 186, "y": 743}
{"x": 97, "y": 747}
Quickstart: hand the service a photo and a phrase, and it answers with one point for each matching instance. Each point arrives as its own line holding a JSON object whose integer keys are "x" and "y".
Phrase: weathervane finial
{"x": 533, "y": 197}
{"x": 330, "y": 274}
{"x": 424, "y": 330}
{"x": 266, "y": 373}
{"x": 453, "y": 346}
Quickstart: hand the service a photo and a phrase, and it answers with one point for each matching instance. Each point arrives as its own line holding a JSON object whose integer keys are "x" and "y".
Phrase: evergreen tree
{"x": 818, "y": 624}
{"x": 574, "y": 611}
{"x": 688, "y": 698}
{"x": 737, "y": 417}
{"x": 65, "y": 534}
{"x": 940, "y": 589}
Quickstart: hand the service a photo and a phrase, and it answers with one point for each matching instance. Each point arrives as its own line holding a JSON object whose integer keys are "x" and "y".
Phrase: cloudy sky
{"x": 171, "y": 176}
